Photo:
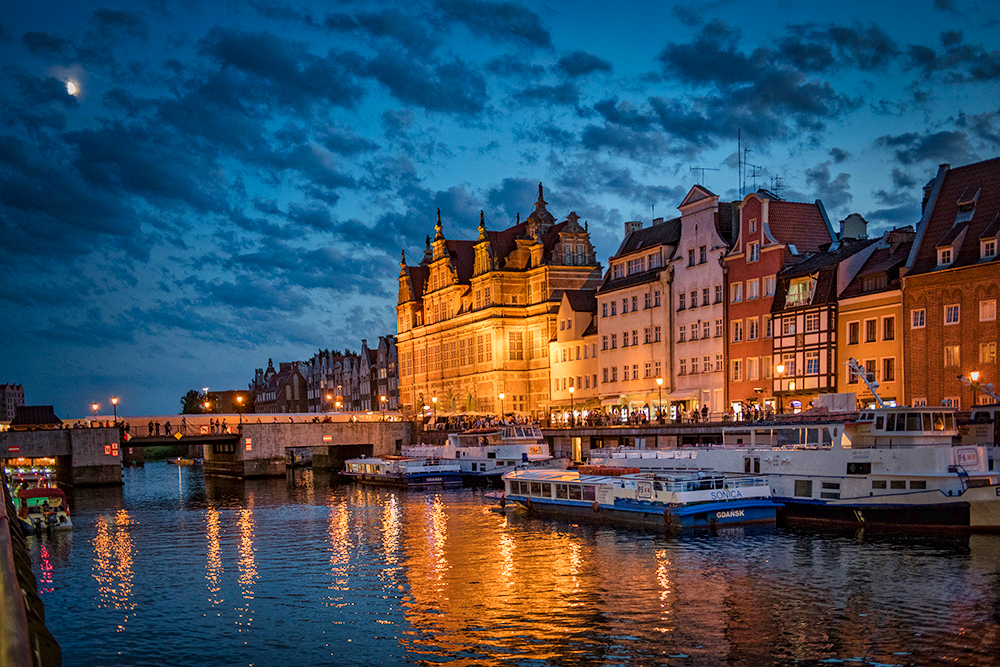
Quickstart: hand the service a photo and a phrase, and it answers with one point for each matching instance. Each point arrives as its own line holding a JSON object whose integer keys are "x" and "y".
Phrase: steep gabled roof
{"x": 941, "y": 224}
{"x": 665, "y": 233}
{"x": 799, "y": 224}
{"x": 824, "y": 266}
{"x": 582, "y": 300}
{"x": 35, "y": 415}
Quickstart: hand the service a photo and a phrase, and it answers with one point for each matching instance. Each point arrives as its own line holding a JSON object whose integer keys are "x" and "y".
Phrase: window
{"x": 707, "y": 363}
{"x": 648, "y": 369}
{"x": 682, "y": 301}
{"x": 753, "y": 225}
{"x": 719, "y": 332}
{"x": 800, "y": 292}
{"x": 694, "y": 331}
{"x": 604, "y": 310}
{"x": 635, "y": 336}
{"x": 753, "y": 333}
{"x": 682, "y": 334}
{"x": 635, "y": 371}
{"x": 768, "y": 328}
{"x": 753, "y": 369}
{"x": 604, "y": 342}
{"x": 987, "y": 248}
{"x": 788, "y": 359}
{"x": 765, "y": 365}
{"x": 718, "y": 294}
{"x": 682, "y": 366}
{"x": 753, "y": 252}
{"x": 694, "y": 365}
{"x": 614, "y": 341}
{"x": 735, "y": 292}
{"x": 736, "y": 329}
{"x": 690, "y": 256}
{"x": 853, "y": 333}
{"x": 871, "y": 331}
{"x": 889, "y": 327}
{"x": 737, "y": 370}
{"x": 706, "y": 296}
{"x": 753, "y": 289}
{"x": 874, "y": 283}
{"x": 654, "y": 260}
{"x": 656, "y": 298}
{"x": 788, "y": 326}
{"x": 706, "y": 329}
{"x": 944, "y": 256}
{"x": 635, "y": 303}
{"x": 988, "y": 352}
{"x": 604, "y": 375}
{"x": 812, "y": 322}
{"x": 624, "y": 305}
{"x": 646, "y": 301}
{"x": 614, "y": 307}
{"x": 812, "y": 362}
{"x": 951, "y": 314}
{"x": 625, "y": 339}
{"x": 803, "y": 488}
{"x": 951, "y": 355}
{"x": 694, "y": 298}
{"x": 614, "y": 374}
{"x": 645, "y": 335}
{"x": 718, "y": 363}
{"x": 702, "y": 254}
{"x": 618, "y": 271}
{"x": 889, "y": 369}
{"x": 918, "y": 318}
{"x": 769, "y": 285}
{"x": 988, "y": 310}
{"x": 516, "y": 342}
{"x": 656, "y": 333}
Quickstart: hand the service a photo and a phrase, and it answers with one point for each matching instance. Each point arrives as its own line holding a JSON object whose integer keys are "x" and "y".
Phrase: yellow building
{"x": 573, "y": 357}
{"x": 474, "y": 318}
{"x": 870, "y": 321}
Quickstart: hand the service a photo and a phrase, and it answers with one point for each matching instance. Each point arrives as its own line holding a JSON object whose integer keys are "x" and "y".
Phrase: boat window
{"x": 658, "y": 486}
{"x": 588, "y": 492}
{"x": 949, "y": 422}
{"x": 938, "y": 421}
{"x": 927, "y": 421}
{"x": 878, "y": 483}
{"x": 562, "y": 491}
{"x": 575, "y": 492}
{"x": 830, "y": 490}
{"x": 746, "y": 464}
{"x": 859, "y": 467}
{"x": 803, "y": 488}
{"x": 897, "y": 484}
{"x": 879, "y": 422}
{"x": 536, "y": 489}
{"x": 890, "y": 422}
{"x": 918, "y": 484}
{"x": 912, "y": 421}
{"x": 491, "y": 455}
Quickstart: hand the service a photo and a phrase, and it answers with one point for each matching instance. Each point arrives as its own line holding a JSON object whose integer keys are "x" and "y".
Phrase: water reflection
{"x": 246, "y": 566}
{"x": 213, "y": 565}
{"x": 112, "y": 568}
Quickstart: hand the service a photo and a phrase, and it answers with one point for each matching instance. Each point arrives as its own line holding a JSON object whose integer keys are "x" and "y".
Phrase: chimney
{"x": 632, "y": 226}
{"x": 853, "y": 227}
{"x": 657, "y": 221}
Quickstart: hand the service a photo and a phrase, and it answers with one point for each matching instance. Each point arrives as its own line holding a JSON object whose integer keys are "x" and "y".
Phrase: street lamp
{"x": 382, "y": 399}
{"x": 329, "y": 401}
{"x": 94, "y": 406}
{"x": 780, "y": 369}
{"x": 434, "y": 404}
{"x": 572, "y": 414}
{"x": 114, "y": 402}
{"x": 206, "y": 404}
{"x": 239, "y": 408}
{"x": 974, "y": 377}
{"x": 502, "y": 396}
{"x": 659, "y": 399}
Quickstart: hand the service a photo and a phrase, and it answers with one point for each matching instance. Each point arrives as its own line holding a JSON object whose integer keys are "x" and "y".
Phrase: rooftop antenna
{"x": 703, "y": 170}
{"x": 776, "y": 184}
{"x": 754, "y": 170}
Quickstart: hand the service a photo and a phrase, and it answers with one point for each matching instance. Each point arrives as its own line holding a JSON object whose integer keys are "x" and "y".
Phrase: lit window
{"x": 944, "y": 256}
{"x": 987, "y": 249}
{"x": 988, "y": 352}
{"x": 800, "y": 292}
{"x": 737, "y": 370}
{"x": 988, "y": 310}
{"x": 812, "y": 362}
{"x": 753, "y": 252}
{"x": 951, "y": 355}
{"x": 951, "y": 313}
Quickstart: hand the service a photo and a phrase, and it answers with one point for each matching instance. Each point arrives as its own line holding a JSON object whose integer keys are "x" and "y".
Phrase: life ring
{"x": 595, "y": 507}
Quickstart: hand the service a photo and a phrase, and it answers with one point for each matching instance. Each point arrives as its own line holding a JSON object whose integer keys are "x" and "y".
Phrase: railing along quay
{"x": 25, "y": 641}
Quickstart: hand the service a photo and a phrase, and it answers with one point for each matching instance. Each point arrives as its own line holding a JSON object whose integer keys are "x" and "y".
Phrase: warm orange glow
{"x": 114, "y": 400}
{"x": 974, "y": 376}
{"x": 780, "y": 368}
{"x": 659, "y": 382}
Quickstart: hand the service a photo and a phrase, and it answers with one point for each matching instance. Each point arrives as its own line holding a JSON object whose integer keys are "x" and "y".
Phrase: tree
{"x": 191, "y": 403}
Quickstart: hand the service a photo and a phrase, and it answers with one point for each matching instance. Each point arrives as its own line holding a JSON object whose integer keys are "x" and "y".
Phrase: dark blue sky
{"x": 235, "y": 181}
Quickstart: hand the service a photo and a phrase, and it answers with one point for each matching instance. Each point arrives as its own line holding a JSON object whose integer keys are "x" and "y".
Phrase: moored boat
{"x": 43, "y": 508}
{"x": 404, "y": 471}
{"x": 628, "y": 497}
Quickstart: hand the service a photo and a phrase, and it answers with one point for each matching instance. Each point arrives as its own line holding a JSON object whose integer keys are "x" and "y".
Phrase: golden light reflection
{"x": 438, "y": 539}
{"x": 507, "y": 548}
{"x": 338, "y": 529}
{"x": 391, "y": 532}
{"x": 666, "y": 591}
{"x": 247, "y": 567}
{"x": 213, "y": 566}
{"x": 112, "y": 570}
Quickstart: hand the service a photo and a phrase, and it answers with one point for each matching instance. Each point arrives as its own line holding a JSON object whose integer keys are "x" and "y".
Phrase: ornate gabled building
{"x": 474, "y": 318}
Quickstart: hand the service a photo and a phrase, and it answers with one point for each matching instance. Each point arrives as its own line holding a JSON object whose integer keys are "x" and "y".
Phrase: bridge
{"x": 254, "y": 448}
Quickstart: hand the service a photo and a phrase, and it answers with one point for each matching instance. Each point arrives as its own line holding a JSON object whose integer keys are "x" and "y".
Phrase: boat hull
{"x": 708, "y": 515}
{"x": 414, "y": 481}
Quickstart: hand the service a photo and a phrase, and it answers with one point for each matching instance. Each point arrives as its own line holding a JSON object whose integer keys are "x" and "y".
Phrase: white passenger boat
{"x": 626, "y": 496}
{"x": 404, "y": 471}
{"x": 888, "y": 466}
{"x": 487, "y": 453}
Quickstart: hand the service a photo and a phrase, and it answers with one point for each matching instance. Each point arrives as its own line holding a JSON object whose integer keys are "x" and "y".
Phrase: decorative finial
{"x": 539, "y": 191}
{"x": 402, "y": 260}
{"x": 438, "y": 230}
{"x": 482, "y": 227}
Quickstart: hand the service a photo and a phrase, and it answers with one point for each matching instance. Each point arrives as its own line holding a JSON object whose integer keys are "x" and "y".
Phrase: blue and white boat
{"x": 625, "y": 496}
{"x": 484, "y": 454}
{"x": 404, "y": 471}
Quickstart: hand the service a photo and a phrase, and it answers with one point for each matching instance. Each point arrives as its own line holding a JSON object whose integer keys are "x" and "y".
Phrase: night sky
{"x": 233, "y": 182}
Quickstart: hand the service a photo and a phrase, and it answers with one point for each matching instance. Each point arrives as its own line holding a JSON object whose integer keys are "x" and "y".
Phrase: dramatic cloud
{"x": 580, "y": 63}
{"x": 499, "y": 20}
{"x": 835, "y": 191}
{"x": 911, "y": 147}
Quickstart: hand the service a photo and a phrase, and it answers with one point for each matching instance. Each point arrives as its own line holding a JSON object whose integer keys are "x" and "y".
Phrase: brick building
{"x": 11, "y": 396}
{"x": 951, "y": 286}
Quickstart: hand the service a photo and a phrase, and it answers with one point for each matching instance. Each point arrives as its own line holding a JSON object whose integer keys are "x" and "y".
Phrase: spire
{"x": 438, "y": 230}
{"x": 402, "y": 259}
{"x": 540, "y": 199}
{"x": 482, "y": 227}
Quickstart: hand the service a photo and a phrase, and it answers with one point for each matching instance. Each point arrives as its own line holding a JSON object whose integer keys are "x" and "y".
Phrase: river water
{"x": 176, "y": 569}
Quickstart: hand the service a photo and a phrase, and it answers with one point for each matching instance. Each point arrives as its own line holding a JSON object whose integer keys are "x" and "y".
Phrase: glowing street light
{"x": 780, "y": 369}
{"x": 502, "y": 396}
{"x": 206, "y": 405}
{"x": 572, "y": 414}
{"x": 239, "y": 408}
{"x": 974, "y": 377}
{"x": 659, "y": 399}
{"x": 114, "y": 402}
{"x": 382, "y": 399}
{"x": 329, "y": 401}
{"x": 434, "y": 403}
{"x": 94, "y": 406}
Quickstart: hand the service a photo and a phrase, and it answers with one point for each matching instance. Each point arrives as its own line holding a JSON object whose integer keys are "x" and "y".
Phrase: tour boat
{"x": 888, "y": 467}
{"x": 43, "y": 508}
{"x": 484, "y": 454}
{"x": 409, "y": 472}
{"x": 628, "y": 497}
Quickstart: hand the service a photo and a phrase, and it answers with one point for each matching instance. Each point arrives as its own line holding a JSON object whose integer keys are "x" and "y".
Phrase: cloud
{"x": 834, "y": 191}
{"x": 502, "y": 21}
{"x": 580, "y": 63}
{"x": 47, "y": 45}
{"x": 451, "y": 87}
{"x": 561, "y": 94}
{"x": 945, "y": 146}
{"x": 957, "y": 62}
{"x": 839, "y": 155}
{"x": 812, "y": 48}
{"x": 389, "y": 26}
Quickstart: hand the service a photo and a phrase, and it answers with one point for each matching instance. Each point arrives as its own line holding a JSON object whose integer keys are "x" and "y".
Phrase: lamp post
{"x": 114, "y": 403}
{"x": 329, "y": 402}
{"x": 572, "y": 414}
{"x": 502, "y": 396}
{"x": 94, "y": 406}
{"x": 780, "y": 368}
{"x": 206, "y": 404}
{"x": 659, "y": 400}
{"x": 382, "y": 399}
{"x": 239, "y": 408}
{"x": 434, "y": 408}
{"x": 974, "y": 377}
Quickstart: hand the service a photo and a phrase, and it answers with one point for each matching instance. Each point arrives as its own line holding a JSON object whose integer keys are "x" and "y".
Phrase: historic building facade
{"x": 634, "y": 320}
{"x": 573, "y": 357}
{"x": 698, "y": 367}
{"x": 474, "y": 318}
{"x": 772, "y": 234}
{"x": 11, "y": 396}
{"x": 951, "y": 286}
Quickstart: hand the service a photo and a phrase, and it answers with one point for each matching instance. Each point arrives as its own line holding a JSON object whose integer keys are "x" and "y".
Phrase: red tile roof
{"x": 798, "y": 224}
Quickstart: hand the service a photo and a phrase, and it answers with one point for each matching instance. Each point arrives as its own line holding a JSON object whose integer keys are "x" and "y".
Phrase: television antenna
{"x": 703, "y": 170}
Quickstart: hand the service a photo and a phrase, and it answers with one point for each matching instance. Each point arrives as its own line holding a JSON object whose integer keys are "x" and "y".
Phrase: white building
{"x": 573, "y": 357}
{"x": 699, "y": 331}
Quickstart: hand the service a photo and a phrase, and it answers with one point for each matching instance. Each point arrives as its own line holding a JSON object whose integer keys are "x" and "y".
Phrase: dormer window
{"x": 987, "y": 248}
{"x": 875, "y": 282}
{"x": 966, "y": 206}
{"x": 800, "y": 292}
{"x": 944, "y": 256}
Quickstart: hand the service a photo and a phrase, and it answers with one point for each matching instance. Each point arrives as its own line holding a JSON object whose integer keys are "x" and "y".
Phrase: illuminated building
{"x": 573, "y": 355}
